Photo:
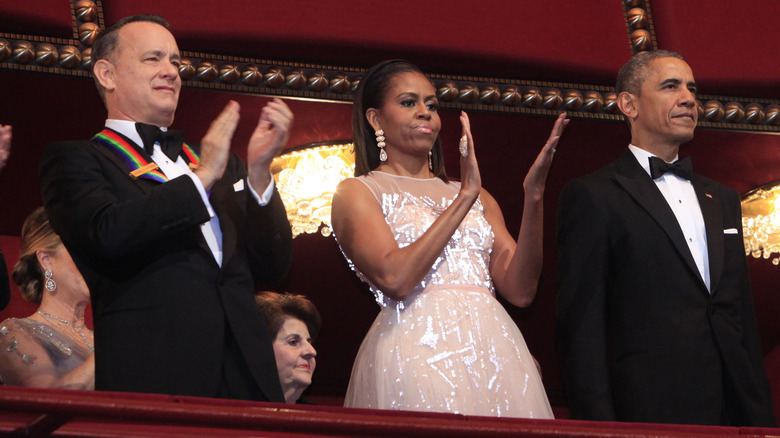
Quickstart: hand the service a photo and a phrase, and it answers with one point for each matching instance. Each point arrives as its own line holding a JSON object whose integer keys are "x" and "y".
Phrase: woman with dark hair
{"x": 52, "y": 348}
{"x": 296, "y": 323}
{"x": 431, "y": 251}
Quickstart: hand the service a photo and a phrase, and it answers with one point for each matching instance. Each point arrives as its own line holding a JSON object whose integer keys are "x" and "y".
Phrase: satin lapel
{"x": 633, "y": 178}
{"x": 711, "y": 209}
{"x": 223, "y": 203}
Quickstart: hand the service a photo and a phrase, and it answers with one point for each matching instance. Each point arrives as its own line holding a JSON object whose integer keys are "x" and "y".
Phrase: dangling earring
{"x": 430, "y": 161}
{"x": 51, "y": 286}
{"x": 380, "y": 142}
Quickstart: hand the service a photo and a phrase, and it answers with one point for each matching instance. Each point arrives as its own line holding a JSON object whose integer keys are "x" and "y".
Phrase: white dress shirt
{"x": 211, "y": 229}
{"x": 681, "y": 197}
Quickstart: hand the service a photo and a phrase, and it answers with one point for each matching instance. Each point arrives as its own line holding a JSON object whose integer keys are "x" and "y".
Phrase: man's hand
{"x": 269, "y": 137}
{"x": 215, "y": 146}
{"x": 5, "y": 144}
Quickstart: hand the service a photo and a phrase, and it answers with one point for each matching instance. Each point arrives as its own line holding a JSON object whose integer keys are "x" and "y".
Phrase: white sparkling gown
{"x": 450, "y": 346}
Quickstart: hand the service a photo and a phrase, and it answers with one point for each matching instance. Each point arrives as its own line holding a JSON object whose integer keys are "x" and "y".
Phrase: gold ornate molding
{"x": 320, "y": 82}
{"x": 87, "y": 18}
{"x": 639, "y": 25}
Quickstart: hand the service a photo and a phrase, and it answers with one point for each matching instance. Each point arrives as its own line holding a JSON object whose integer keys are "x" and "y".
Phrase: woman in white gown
{"x": 431, "y": 251}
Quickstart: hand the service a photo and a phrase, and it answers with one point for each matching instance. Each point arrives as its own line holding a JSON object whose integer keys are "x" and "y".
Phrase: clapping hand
{"x": 537, "y": 175}
{"x": 470, "y": 179}
{"x": 215, "y": 146}
{"x": 268, "y": 138}
{"x": 5, "y": 144}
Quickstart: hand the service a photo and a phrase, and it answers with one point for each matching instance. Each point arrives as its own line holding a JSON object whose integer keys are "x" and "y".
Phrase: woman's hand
{"x": 470, "y": 179}
{"x": 537, "y": 175}
{"x": 516, "y": 266}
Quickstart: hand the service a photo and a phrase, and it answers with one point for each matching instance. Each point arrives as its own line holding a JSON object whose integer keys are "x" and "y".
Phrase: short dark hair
{"x": 275, "y": 308}
{"x": 105, "y": 44}
{"x": 37, "y": 234}
{"x": 634, "y": 72}
{"x": 371, "y": 93}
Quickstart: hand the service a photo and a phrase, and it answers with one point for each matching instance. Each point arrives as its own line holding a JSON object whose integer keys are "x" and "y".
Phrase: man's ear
{"x": 627, "y": 104}
{"x": 105, "y": 74}
{"x": 372, "y": 115}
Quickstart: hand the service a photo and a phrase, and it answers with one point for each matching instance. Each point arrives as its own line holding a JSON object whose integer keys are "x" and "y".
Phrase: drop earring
{"x": 51, "y": 286}
{"x": 430, "y": 161}
{"x": 380, "y": 142}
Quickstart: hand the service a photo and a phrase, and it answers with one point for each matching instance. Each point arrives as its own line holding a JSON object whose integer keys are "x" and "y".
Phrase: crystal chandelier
{"x": 761, "y": 221}
{"x": 306, "y": 178}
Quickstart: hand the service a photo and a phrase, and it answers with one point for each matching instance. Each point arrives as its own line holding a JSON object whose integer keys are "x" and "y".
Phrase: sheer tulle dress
{"x": 32, "y": 352}
{"x": 450, "y": 346}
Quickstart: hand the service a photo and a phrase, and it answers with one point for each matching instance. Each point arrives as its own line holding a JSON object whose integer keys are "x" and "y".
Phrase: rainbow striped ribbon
{"x": 139, "y": 167}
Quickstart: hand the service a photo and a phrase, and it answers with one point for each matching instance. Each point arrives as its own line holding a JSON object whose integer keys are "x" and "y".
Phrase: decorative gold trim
{"x": 639, "y": 26}
{"x": 87, "y": 18}
{"x": 338, "y": 84}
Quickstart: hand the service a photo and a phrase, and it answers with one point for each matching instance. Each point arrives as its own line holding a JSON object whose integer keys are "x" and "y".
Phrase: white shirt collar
{"x": 127, "y": 128}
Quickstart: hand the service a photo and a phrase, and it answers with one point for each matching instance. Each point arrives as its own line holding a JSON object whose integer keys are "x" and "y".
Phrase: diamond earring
{"x": 51, "y": 286}
{"x": 380, "y": 142}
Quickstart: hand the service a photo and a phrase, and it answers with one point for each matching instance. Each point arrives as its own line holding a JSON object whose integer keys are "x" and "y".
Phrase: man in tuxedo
{"x": 169, "y": 237}
{"x": 654, "y": 313}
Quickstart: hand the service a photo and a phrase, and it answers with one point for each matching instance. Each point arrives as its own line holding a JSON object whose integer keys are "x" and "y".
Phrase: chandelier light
{"x": 761, "y": 222}
{"x": 306, "y": 178}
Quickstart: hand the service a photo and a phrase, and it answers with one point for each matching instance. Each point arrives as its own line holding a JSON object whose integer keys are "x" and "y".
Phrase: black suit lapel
{"x": 138, "y": 148}
{"x": 145, "y": 185}
{"x": 712, "y": 211}
{"x": 633, "y": 178}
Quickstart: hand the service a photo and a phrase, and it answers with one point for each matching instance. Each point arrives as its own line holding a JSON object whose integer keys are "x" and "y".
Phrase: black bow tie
{"x": 170, "y": 140}
{"x": 681, "y": 168}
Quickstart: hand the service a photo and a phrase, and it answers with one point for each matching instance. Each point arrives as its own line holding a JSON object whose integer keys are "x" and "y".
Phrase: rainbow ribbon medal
{"x": 139, "y": 167}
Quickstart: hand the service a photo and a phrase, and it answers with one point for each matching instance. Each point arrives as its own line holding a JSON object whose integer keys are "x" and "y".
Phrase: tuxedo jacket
{"x": 641, "y": 337}
{"x": 161, "y": 304}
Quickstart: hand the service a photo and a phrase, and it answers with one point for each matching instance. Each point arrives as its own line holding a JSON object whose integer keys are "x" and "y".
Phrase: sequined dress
{"x": 450, "y": 346}
{"x": 32, "y": 352}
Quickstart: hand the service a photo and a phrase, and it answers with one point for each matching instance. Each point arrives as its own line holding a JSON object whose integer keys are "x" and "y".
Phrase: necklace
{"x": 78, "y": 330}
